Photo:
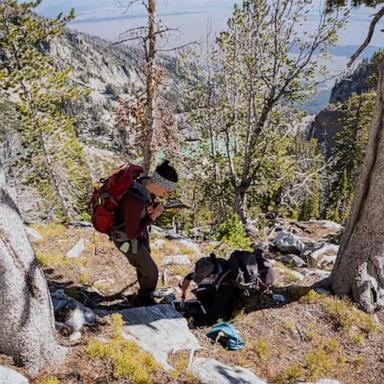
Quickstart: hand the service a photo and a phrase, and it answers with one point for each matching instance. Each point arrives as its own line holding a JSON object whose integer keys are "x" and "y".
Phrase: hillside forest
{"x": 229, "y": 114}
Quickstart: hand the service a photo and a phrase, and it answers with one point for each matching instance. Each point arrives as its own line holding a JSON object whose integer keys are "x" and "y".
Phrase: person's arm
{"x": 189, "y": 276}
{"x": 222, "y": 307}
{"x": 134, "y": 223}
{"x": 184, "y": 284}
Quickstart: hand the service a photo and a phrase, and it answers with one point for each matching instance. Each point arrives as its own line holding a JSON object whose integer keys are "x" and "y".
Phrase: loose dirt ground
{"x": 309, "y": 336}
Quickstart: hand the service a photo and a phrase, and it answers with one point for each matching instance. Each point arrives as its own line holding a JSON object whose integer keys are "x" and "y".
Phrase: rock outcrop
{"x": 326, "y": 125}
{"x": 211, "y": 371}
{"x": 159, "y": 330}
{"x": 286, "y": 242}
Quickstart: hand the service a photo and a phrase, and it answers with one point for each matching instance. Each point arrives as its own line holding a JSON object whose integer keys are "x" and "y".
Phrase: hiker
{"x": 216, "y": 290}
{"x": 222, "y": 283}
{"x": 136, "y": 211}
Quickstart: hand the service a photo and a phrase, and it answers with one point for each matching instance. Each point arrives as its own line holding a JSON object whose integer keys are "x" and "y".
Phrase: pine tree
{"x": 242, "y": 108}
{"x": 40, "y": 90}
{"x": 351, "y": 142}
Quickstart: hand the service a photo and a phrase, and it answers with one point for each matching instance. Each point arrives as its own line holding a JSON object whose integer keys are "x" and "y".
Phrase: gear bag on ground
{"x": 251, "y": 271}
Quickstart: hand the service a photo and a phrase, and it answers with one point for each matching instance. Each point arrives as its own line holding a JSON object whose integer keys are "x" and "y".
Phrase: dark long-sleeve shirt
{"x": 217, "y": 293}
{"x": 132, "y": 211}
{"x": 219, "y": 276}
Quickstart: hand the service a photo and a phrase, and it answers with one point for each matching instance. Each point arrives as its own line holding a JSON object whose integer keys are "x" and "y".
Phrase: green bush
{"x": 232, "y": 233}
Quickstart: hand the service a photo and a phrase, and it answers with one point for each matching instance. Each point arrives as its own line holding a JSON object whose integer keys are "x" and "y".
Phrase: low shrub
{"x": 127, "y": 360}
{"x": 232, "y": 233}
{"x": 48, "y": 380}
{"x": 289, "y": 375}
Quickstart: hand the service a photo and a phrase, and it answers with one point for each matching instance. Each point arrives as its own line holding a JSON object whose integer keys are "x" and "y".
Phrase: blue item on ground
{"x": 227, "y": 335}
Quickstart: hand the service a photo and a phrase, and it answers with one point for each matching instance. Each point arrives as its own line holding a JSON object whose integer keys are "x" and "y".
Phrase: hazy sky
{"x": 107, "y": 18}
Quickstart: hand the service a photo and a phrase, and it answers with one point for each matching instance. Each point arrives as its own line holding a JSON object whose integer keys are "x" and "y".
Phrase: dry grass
{"x": 103, "y": 356}
{"x": 127, "y": 361}
{"x": 83, "y": 278}
{"x": 260, "y": 347}
{"x": 48, "y": 380}
{"x": 186, "y": 251}
{"x": 48, "y": 259}
{"x": 344, "y": 314}
{"x": 157, "y": 255}
{"x": 180, "y": 270}
{"x": 48, "y": 230}
{"x": 100, "y": 260}
{"x": 309, "y": 336}
{"x": 291, "y": 277}
{"x": 103, "y": 288}
{"x": 324, "y": 358}
{"x": 290, "y": 375}
{"x": 181, "y": 372}
{"x": 170, "y": 248}
{"x": 300, "y": 342}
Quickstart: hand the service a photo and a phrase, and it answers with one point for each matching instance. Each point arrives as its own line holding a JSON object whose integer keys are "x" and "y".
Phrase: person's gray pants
{"x": 139, "y": 255}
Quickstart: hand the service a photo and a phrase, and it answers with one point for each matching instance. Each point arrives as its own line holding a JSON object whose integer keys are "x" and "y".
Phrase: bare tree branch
{"x": 166, "y": 29}
{"x": 128, "y": 39}
{"x": 123, "y": 34}
{"x": 127, "y": 3}
{"x": 372, "y": 27}
{"x": 179, "y": 47}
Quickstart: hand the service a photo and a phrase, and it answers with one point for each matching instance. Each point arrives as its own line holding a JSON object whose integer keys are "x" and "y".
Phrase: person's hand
{"x": 184, "y": 284}
{"x": 156, "y": 211}
{"x": 176, "y": 210}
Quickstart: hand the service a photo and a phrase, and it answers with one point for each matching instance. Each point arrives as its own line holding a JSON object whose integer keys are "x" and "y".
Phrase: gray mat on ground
{"x": 211, "y": 371}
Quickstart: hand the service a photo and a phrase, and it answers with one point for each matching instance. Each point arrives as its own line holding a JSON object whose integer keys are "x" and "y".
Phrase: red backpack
{"x": 106, "y": 197}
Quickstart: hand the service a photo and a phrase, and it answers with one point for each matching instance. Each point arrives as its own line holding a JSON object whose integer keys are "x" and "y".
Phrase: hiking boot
{"x": 146, "y": 300}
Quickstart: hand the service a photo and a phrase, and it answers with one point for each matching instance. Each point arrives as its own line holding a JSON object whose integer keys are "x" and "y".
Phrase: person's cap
{"x": 165, "y": 176}
{"x": 203, "y": 268}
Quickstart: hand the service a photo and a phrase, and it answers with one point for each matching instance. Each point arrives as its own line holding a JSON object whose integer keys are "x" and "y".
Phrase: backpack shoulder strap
{"x": 225, "y": 274}
{"x": 140, "y": 192}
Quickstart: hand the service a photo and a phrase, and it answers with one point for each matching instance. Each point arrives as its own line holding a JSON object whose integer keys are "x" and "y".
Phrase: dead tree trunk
{"x": 26, "y": 315}
{"x": 53, "y": 177}
{"x": 151, "y": 84}
{"x": 359, "y": 268}
{"x": 239, "y": 205}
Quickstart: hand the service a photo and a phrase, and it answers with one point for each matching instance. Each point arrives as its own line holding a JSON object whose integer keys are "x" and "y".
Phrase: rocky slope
{"x": 293, "y": 334}
{"x": 108, "y": 73}
{"x": 361, "y": 80}
{"x": 324, "y": 128}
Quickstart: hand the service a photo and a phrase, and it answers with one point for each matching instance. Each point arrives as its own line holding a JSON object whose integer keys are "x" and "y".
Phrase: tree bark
{"x": 359, "y": 268}
{"x": 26, "y": 315}
{"x": 240, "y": 204}
{"x": 150, "y": 61}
